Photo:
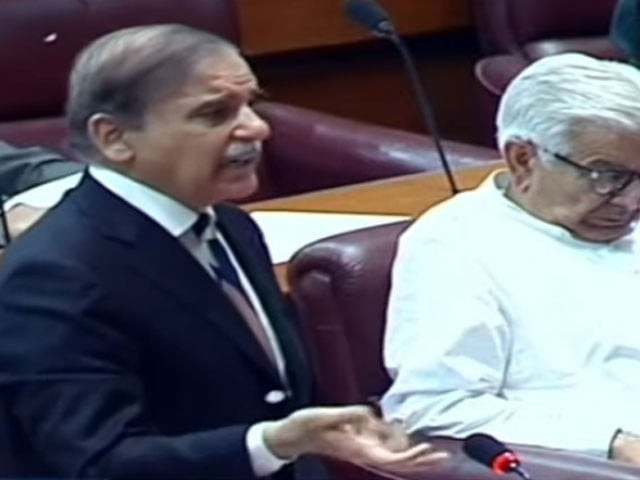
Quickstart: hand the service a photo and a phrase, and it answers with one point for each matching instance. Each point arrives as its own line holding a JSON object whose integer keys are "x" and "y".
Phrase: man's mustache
{"x": 244, "y": 150}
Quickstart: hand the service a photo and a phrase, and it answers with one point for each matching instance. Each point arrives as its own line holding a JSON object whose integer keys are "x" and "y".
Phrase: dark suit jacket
{"x": 120, "y": 356}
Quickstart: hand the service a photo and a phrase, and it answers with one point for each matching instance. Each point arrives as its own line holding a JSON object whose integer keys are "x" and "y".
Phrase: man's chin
{"x": 240, "y": 190}
{"x": 604, "y": 233}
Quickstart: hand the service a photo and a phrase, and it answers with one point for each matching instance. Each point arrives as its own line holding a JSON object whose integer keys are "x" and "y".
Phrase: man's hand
{"x": 626, "y": 447}
{"x": 352, "y": 434}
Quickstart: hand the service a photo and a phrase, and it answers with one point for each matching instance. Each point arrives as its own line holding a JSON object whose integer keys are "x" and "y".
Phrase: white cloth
{"x": 501, "y": 323}
{"x": 45, "y": 195}
{"x": 178, "y": 219}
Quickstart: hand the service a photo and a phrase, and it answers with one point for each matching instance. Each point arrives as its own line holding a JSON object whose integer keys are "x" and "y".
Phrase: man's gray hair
{"x": 550, "y": 100}
{"x": 122, "y": 73}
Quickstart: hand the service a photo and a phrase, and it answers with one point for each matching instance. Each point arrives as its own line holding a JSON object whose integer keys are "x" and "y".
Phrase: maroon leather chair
{"x": 310, "y": 150}
{"x": 340, "y": 287}
{"x": 537, "y": 28}
{"x": 40, "y": 38}
{"x": 307, "y": 151}
{"x": 516, "y": 32}
{"x": 494, "y": 74}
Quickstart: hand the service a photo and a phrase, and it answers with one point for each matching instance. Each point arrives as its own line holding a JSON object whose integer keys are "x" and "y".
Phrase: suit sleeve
{"x": 76, "y": 393}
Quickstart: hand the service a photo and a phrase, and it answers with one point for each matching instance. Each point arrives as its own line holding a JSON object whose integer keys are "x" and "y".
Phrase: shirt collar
{"x": 173, "y": 216}
{"x": 495, "y": 186}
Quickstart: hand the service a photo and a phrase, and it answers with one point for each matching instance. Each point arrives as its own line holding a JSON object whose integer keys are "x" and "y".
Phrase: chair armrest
{"x": 309, "y": 150}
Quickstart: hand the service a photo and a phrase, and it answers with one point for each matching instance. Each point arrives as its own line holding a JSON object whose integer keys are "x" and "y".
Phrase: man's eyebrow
{"x": 605, "y": 162}
{"x": 209, "y": 104}
{"x": 611, "y": 166}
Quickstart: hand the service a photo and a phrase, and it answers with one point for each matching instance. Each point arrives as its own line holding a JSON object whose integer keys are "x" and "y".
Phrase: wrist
{"x": 282, "y": 441}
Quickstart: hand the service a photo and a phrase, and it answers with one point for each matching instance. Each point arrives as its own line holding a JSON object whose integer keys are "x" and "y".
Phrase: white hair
{"x": 554, "y": 97}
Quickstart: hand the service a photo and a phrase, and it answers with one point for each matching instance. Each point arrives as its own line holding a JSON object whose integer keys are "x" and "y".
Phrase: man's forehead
{"x": 228, "y": 70}
{"x": 596, "y": 143}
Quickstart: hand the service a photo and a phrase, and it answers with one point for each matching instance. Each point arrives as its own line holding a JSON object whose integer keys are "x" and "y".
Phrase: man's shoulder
{"x": 462, "y": 212}
{"x": 59, "y": 232}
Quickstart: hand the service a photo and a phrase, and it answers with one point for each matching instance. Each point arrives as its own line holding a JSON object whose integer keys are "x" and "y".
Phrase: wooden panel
{"x": 366, "y": 82}
{"x": 271, "y": 26}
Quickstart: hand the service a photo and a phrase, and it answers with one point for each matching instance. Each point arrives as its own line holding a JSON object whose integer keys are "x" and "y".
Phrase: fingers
{"x": 421, "y": 455}
{"x": 356, "y": 435}
{"x": 394, "y": 436}
{"x": 356, "y": 415}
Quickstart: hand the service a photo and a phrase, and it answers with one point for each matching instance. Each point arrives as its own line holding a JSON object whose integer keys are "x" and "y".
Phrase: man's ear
{"x": 520, "y": 158}
{"x": 109, "y": 138}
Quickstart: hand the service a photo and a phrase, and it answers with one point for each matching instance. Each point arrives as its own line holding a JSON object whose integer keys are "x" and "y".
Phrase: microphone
{"x": 494, "y": 454}
{"x": 372, "y": 17}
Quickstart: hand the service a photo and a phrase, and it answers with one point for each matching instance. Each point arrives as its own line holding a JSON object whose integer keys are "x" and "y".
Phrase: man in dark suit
{"x": 143, "y": 334}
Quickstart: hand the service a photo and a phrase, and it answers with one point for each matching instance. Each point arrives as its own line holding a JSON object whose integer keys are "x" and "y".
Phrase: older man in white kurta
{"x": 515, "y": 308}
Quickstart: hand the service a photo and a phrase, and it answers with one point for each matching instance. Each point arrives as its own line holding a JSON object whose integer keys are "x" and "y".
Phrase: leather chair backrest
{"x": 507, "y": 26}
{"x": 337, "y": 151}
{"x": 340, "y": 287}
{"x": 40, "y": 38}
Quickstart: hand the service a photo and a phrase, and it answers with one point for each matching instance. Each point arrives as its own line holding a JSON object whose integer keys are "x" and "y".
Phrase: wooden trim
{"x": 274, "y": 26}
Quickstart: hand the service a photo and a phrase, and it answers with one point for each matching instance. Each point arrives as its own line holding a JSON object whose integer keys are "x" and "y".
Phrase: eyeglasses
{"x": 604, "y": 182}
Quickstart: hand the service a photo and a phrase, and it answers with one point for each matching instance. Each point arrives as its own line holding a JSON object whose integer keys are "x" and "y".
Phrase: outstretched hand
{"x": 352, "y": 434}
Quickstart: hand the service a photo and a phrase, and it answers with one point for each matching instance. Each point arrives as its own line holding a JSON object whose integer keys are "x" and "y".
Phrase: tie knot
{"x": 201, "y": 224}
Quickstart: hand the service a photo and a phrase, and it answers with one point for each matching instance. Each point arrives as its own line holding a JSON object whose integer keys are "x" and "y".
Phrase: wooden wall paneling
{"x": 271, "y": 26}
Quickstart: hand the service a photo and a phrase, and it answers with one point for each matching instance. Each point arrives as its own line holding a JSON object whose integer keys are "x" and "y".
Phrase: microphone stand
{"x": 370, "y": 16}
{"x": 521, "y": 473}
{"x": 386, "y": 29}
{"x": 425, "y": 107}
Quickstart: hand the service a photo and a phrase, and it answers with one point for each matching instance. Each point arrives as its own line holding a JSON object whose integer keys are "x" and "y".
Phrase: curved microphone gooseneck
{"x": 370, "y": 16}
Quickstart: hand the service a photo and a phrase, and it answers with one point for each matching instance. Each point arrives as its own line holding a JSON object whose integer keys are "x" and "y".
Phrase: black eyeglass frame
{"x": 605, "y": 182}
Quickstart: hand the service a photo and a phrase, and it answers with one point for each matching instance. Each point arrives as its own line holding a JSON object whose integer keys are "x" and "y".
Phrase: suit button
{"x": 275, "y": 396}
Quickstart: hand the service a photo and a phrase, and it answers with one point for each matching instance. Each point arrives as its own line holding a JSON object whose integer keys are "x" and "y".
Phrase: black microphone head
{"x": 370, "y": 16}
{"x": 484, "y": 448}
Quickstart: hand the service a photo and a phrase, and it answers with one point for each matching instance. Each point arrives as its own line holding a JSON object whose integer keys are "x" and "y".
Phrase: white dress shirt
{"x": 501, "y": 323}
{"x": 177, "y": 219}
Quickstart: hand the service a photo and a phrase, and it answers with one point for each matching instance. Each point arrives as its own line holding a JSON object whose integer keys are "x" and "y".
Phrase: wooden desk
{"x": 406, "y": 195}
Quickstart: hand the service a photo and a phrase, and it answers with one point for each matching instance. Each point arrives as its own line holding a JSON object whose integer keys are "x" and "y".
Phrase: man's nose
{"x": 251, "y": 125}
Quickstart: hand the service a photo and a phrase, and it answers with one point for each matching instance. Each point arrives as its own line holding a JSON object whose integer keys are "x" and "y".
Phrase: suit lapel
{"x": 162, "y": 261}
{"x": 249, "y": 257}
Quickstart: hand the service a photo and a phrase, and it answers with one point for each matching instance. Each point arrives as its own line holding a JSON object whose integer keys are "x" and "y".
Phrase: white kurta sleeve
{"x": 448, "y": 346}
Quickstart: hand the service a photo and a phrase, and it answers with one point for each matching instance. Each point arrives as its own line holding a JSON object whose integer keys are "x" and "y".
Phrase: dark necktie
{"x": 229, "y": 281}
{"x": 224, "y": 269}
